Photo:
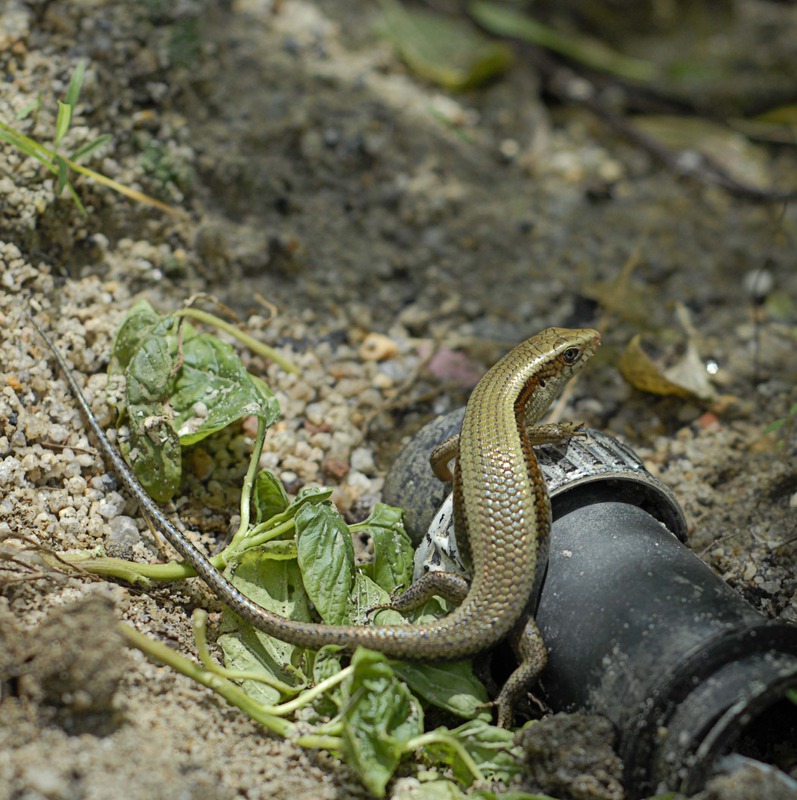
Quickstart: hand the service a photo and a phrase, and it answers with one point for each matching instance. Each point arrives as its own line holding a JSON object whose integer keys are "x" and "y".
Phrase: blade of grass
{"x": 62, "y": 122}
{"x": 45, "y": 155}
{"x": 63, "y": 175}
{"x": 34, "y": 105}
{"x": 87, "y": 149}
{"x": 76, "y": 83}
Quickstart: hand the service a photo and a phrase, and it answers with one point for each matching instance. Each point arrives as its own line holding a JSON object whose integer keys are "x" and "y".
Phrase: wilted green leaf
{"x": 451, "y": 686}
{"x": 277, "y": 586}
{"x": 213, "y": 390}
{"x": 432, "y": 790}
{"x": 268, "y": 497}
{"x": 490, "y": 747}
{"x": 326, "y": 558}
{"x": 393, "y": 553}
{"x": 138, "y": 323}
{"x": 448, "y": 51}
{"x": 151, "y": 369}
{"x": 380, "y": 719}
{"x": 153, "y": 451}
{"x": 195, "y": 390}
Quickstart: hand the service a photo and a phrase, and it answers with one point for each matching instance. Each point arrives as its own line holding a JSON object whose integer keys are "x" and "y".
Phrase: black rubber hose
{"x": 638, "y": 628}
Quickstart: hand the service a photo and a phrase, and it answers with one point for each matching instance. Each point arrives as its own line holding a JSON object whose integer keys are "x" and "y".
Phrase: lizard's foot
{"x": 395, "y": 593}
{"x": 556, "y": 432}
{"x": 530, "y": 650}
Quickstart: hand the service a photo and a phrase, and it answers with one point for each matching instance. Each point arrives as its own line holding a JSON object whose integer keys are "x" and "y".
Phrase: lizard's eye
{"x": 571, "y": 355}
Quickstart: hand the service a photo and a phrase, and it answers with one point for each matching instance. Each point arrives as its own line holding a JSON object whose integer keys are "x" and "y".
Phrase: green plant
{"x": 784, "y": 424}
{"x": 59, "y": 164}
{"x": 365, "y": 708}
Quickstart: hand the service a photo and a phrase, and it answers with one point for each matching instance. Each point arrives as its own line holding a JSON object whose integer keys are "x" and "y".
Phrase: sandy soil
{"x": 318, "y": 174}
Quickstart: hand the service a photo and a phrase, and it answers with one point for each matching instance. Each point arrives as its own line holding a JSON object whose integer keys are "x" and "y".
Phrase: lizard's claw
{"x": 369, "y": 612}
{"x": 395, "y": 592}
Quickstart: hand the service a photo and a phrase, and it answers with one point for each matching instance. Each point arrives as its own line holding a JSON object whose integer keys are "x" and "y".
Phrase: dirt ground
{"x": 328, "y": 195}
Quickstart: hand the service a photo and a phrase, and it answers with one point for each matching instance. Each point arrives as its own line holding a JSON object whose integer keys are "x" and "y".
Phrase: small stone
{"x": 123, "y": 533}
{"x": 362, "y": 459}
{"x": 335, "y": 468}
{"x": 377, "y": 347}
{"x": 111, "y": 506}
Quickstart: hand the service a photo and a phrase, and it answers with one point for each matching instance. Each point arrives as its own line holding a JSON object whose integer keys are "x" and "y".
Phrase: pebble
{"x": 110, "y": 506}
{"x": 362, "y": 459}
{"x": 377, "y": 347}
{"x": 123, "y": 532}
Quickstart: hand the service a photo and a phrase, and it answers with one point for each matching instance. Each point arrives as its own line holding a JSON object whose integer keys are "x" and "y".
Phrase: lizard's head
{"x": 563, "y": 353}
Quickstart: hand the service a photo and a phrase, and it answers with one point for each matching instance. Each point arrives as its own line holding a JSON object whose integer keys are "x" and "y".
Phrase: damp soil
{"x": 392, "y": 239}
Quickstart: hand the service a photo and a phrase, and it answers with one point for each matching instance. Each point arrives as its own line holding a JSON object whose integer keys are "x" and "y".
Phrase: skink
{"x": 502, "y": 513}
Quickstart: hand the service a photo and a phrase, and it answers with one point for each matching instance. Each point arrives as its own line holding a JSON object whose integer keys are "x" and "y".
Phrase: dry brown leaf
{"x": 685, "y": 379}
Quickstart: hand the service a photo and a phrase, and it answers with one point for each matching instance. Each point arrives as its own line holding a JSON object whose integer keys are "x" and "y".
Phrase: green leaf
{"x": 269, "y": 496}
{"x": 364, "y": 596}
{"x": 151, "y": 369}
{"x": 380, "y": 719}
{"x": 76, "y": 83}
{"x": 280, "y": 549}
{"x": 504, "y": 21}
{"x": 326, "y": 558}
{"x": 490, "y": 747}
{"x": 135, "y": 327}
{"x": 448, "y": 51}
{"x": 486, "y": 794}
{"x": 432, "y": 790}
{"x": 86, "y": 150}
{"x": 451, "y": 686}
{"x": 309, "y": 495}
{"x": 277, "y": 586}
{"x": 213, "y": 390}
{"x": 195, "y": 390}
{"x": 29, "y": 148}
{"x": 153, "y": 451}
{"x": 63, "y": 175}
{"x": 62, "y": 121}
{"x": 393, "y": 552}
{"x": 27, "y": 110}
{"x": 326, "y": 664}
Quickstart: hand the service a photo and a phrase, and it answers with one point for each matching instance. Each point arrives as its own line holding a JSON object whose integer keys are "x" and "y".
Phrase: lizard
{"x": 502, "y": 520}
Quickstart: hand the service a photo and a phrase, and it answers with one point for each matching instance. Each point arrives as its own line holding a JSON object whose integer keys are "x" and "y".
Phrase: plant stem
{"x": 255, "y": 538}
{"x": 249, "y": 482}
{"x": 253, "y": 344}
{"x": 199, "y": 623}
{"x": 445, "y": 738}
{"x": 229, "y": 691}
{"x": 133, "y": 572}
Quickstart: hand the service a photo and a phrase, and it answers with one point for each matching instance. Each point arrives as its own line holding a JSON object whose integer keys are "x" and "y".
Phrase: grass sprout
{"x": 60, "y": 165}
